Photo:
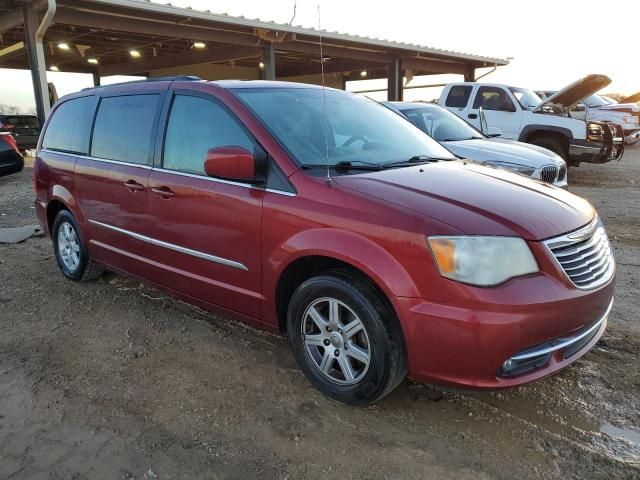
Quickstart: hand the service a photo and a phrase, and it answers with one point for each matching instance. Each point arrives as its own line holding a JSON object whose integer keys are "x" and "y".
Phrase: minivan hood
{"x": 501, "y": 150}
{"x": 567, "y": 98}
{"x": 476, "y": 199}
{"x": 635, "y": 98}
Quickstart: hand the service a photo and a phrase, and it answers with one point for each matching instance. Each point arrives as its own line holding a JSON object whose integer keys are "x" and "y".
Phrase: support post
{"x": 470, "y": 74}
{"x": 269, "y": 61}
{"x": 394, "y": 81}
{"x": 38, "y": 70}
{"x": 96, "y": 78}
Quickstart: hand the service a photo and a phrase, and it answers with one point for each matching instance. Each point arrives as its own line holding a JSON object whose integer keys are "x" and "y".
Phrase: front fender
{"x": 349, "y": 247}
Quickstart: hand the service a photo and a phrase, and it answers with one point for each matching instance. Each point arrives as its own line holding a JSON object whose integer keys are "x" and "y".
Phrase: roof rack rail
{"x": 181, "y": 78}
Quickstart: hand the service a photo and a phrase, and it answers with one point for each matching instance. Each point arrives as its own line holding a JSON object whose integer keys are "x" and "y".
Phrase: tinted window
{"x": 440, "y": 124}
{"x": 493, "y": 98}
{"x": 123, "y": 128}
{"x": 195, "y": 126}
{"x": 458, "y": 96}
{"x": 70, "y": 126}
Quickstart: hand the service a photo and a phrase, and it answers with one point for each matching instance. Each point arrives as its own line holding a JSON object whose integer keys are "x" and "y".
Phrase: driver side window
{"x": 493, "y": 98}
{"x": 195, "y": 126}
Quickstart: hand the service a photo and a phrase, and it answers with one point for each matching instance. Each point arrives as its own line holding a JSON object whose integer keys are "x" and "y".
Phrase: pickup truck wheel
{"x": 344, "y": 340}
{"x": 71, "y": 251}
{"x": 553, "y": 144}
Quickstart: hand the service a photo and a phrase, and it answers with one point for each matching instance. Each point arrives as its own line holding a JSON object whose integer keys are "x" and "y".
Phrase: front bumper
{"x": 466, "y": 342}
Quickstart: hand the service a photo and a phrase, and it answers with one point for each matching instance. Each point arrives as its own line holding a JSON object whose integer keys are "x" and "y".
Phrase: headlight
{"x": 523, "y": 169}
{"x": 595, "y": 132}
{"x": 482, "y": 261}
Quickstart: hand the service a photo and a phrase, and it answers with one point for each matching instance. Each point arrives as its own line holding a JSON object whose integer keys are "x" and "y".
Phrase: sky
{"x": 551, "y": 42}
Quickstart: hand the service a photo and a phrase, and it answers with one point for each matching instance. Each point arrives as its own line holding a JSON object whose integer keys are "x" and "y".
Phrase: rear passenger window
{"x": 123, "y": 128}
{"x": 70, "y": 126}
{"x": 195, "y": 126}
{"x": 458, "y": 96}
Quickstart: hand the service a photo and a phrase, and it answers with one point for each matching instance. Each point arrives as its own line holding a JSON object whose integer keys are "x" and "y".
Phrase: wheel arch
{"x": 62, "y": 199}
{"x": 532, "y": 131}
{"x": 324, "y": 250}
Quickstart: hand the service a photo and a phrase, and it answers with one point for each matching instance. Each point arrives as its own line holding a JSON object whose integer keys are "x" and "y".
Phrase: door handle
{"x": 164, "y": 192}
{"x": 133, "y": 186}
{"x": 473, "y": 115}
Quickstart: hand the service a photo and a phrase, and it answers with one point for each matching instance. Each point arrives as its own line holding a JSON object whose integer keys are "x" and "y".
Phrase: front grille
{"x": 549, "y": 173}
{"x": 562, "y": 173}
{"x": 584, "y": 255}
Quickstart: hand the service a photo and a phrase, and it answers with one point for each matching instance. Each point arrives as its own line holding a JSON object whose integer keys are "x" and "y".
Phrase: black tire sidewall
{"x": 62, "y": 217}
{"x": 553, "y": 145}
{"x": 376, "y": 379}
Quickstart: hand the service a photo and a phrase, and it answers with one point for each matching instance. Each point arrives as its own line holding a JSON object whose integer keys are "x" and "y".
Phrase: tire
{"x": 345, "y": 377}
{"x": 553, "y": 144}
{"x": 71, "y": 251}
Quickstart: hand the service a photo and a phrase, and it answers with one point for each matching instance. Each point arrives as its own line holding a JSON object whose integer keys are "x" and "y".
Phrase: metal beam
{"x": 11, "y": 49}
{"x": 211, "y": 55}
{"x": 332, "y": 66}
{"x": 157, "y": 28}
{"x": 470, "y": 74}
{"x": 394, "y": 81}
{"x": 333, "y": 51}
{"x": 426, "y": 65}
{"x": 11, "y": 20}
{"x": 269, "y": 62}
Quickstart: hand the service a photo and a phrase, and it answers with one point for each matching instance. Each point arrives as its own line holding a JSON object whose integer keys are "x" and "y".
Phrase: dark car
{"x": 24, "y": 128}
{"x": 327, "y": 216}
{"x": 10, "y": 159}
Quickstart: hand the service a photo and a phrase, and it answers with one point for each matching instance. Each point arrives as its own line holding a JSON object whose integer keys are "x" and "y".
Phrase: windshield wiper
{"x": 357, "y": 165}
{"x": 415, "y": 160}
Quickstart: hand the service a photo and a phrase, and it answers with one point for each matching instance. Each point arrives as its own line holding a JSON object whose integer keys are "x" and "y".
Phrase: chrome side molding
{"x": 171, "y": 246}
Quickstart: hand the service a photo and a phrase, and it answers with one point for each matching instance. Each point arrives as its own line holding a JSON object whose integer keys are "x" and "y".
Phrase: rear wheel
{"x": 345, "y": 338}
{"x": 70, "y": 249}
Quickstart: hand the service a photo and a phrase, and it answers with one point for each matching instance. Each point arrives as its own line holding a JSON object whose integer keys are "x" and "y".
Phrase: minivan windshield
{"x": 326, "y": 128}
{"x": 440, "y": 124}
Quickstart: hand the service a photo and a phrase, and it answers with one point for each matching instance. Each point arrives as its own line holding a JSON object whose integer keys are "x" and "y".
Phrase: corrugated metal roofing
{"x": 169, "y": 9}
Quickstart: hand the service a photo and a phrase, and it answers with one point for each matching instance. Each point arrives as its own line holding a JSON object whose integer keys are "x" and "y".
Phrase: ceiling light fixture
{"x": 199, "y": 44}
{"x": 135, "y": 53}
{"x": 53, "y": 68}
{"x": 63, "y": 46}
{"x": 363, "y": 73}
{"x": 92, "y": 61}
{"x": 261, "y": 65}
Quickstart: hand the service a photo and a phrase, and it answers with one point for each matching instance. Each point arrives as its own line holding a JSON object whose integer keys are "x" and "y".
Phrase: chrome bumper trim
{"x": 563, "y": 343}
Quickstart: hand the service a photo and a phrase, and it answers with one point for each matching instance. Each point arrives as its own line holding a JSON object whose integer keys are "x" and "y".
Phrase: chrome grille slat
{"x": 576, "y": 250}
{"x": 549, "y": 173}
{"x": 585, "y": 256}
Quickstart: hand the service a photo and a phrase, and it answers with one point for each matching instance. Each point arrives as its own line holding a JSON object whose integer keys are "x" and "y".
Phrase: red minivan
{"x": 324, "y": 215}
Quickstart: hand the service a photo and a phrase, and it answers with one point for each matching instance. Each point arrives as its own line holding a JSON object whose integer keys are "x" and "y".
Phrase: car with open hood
{"x": 324, "y": 215}
{"x": 465, "y": 141}
{"x": 594, "y": 107}
{"x": 520, "y": 114}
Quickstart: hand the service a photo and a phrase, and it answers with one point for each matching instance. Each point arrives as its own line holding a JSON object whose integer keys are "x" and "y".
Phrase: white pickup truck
{"x": 520, "y": 114}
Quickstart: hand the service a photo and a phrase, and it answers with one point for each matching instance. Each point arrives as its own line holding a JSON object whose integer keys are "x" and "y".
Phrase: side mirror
{"x": 494, "y": 132}
{"x": 237, "y": 164}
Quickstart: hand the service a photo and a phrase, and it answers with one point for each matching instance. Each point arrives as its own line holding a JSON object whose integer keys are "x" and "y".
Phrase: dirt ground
{"x": 115, "y": 380}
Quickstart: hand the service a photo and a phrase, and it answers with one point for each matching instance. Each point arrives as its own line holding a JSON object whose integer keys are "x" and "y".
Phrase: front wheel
{"x": 345, "y": 338}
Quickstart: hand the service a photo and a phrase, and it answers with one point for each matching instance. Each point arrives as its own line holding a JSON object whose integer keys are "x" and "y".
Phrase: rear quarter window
{"x": 124, "y": 127}
{"x": 70, "y": 126}
{"x": 458, "y": 96}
